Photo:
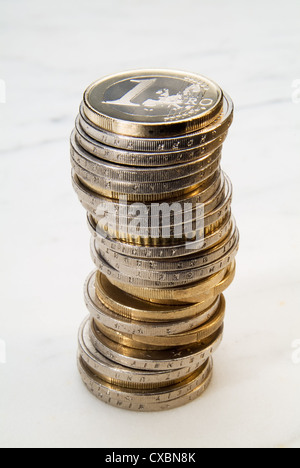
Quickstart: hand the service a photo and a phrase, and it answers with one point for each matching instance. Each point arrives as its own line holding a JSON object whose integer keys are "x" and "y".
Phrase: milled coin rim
{"x": 163, "y": 252}
{"x": 135, "y": 174}
{"x": 210, "y": 221}
{"x": 111, "y": 319}
{"x": 151, "y": 129}
{"x": 102, "y": 184}
{"x": 195, "y": 260}
{"x": 166, "y": 279}
{"x": 144, "y": 159}
{"x": 209, "y": 224}
{"x": 150, "y": 395}
{"x": 191, "y": 293}
{"x": 209, "y": 133}
{"x": 120, "y": 398}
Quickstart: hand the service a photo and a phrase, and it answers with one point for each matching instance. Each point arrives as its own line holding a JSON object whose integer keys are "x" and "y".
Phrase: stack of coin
{"x": 145, "y": 154}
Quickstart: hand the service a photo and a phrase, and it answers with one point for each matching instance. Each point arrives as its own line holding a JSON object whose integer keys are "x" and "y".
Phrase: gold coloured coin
{"x": 142, "y": 159}
{"x": 153, "y": 103}
{"x": 146, "y": 165}
{"x": 126, "y": 377}
{"x": 170, "y": 341}
{"x": 133, "y": 308}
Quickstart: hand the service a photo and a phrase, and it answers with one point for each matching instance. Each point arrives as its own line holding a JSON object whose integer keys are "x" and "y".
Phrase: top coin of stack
{"x": 145, "y": 154}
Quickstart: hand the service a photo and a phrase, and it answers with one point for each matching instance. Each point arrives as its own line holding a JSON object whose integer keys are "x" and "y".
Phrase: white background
{"x": 50, "y": 52}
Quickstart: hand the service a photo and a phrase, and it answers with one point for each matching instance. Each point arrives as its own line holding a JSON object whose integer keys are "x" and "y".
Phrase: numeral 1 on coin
{"x": 127, "y": 99}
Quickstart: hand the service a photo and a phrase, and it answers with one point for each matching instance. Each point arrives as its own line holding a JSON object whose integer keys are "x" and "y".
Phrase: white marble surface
{"x": 50, "y": 52}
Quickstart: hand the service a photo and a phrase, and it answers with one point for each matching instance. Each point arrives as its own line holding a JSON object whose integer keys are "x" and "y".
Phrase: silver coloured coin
{"x": 211, "y": 216}
{"x": 118, "y": 373}
{"x": 118, "y": 173}
{"x": 151, "y": 103}
{"x": 186, "y": 263}
{"x": 133, "y": 308}
{"x": 142, "y": 159}
{"x": 114, "y": 321}
{"x": 164, "y": 393}
{"x": 145, "y": 188}
{"x": 154, "y": 231}
{"x": 209, "y": 198}
{"x": 165, "y": 400}
{"x": 220, "y": 125}
{"x": 161, "y": 360}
